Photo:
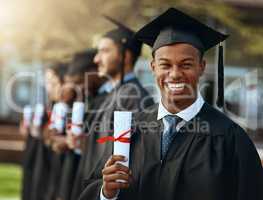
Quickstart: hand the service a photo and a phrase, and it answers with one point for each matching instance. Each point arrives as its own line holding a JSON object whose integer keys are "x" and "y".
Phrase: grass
{"x": 10, "y": 181}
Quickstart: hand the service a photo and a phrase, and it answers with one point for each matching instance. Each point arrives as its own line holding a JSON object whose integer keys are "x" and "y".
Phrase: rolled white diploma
{"x": 61, "y": 111}
{"x": 27, "y": 116}
{"x": 77, "y": 119}
{"x": 122, "y": 123}
{"x": 38, "y": 115}
{"x": 52, "y": 117}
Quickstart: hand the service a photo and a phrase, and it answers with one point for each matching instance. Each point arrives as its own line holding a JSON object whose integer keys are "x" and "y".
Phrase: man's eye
{"x": 103, "y": 50}
{"x": 187, "y": 65}
{"x": 164, "y": 64}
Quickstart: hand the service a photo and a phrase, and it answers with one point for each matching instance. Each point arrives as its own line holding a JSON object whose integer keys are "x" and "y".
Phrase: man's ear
{"x": 127, "y": 57}
{"x": 153, "y": 65}
{"x": 202, "y": 66}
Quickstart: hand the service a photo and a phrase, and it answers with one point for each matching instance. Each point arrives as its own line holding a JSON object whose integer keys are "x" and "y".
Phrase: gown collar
{"x": 186, "y": 114}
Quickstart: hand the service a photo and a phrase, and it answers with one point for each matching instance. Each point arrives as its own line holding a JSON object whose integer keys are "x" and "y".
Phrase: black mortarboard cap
{"x": 174, "y": 26}
{"x": 82, "y": 62}
{"x": 124, "y": 36}
{"x": 86, "y": 55}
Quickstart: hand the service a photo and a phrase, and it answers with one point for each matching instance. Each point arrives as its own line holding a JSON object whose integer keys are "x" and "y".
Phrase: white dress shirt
{"x": 108, "y": 86}
{"x": 186, "y": 115}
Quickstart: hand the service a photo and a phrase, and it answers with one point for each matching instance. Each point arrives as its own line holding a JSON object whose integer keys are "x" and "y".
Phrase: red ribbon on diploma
{"x": 48, "y": 120}
{"x": 121, "y": 138}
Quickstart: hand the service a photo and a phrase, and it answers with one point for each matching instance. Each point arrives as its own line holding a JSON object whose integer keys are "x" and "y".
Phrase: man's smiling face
{"x": 177, "y": 69}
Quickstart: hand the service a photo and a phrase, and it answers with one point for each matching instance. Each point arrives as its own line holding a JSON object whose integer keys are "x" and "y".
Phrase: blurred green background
{"x": 10, "y": 179}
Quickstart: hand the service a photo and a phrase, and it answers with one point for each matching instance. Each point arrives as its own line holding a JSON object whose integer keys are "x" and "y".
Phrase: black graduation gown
{"x": 41, "y": 171}
{"x": 41, "y": 166}
{"x": 71, "y": 162}
{"x": 28, "y": 166}
{"x": 211, "y": 158}
{"x": 68, "y": 175}
{"x": 56, "y": 164}
{"x": 130, "y": 96}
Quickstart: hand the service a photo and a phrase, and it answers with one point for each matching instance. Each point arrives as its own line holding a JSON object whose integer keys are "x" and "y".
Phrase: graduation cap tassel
{"x": 122, "y": 50}
{"x": 220, "y": 97}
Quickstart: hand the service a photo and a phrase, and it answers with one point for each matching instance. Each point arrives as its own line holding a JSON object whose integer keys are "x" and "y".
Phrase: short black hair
{"x": 134, "y": 57}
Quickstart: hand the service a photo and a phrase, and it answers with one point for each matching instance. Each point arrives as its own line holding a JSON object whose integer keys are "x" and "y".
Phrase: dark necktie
{"x": 169, "y": 132}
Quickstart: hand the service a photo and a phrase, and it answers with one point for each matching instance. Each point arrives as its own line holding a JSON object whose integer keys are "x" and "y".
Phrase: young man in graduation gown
{"x": 116, "y": 57}
{"x": 54, "y": 77}
{"x": 82, "y": 66}
{"x": 184, "y": 149}
{"x": 28, "y": 160}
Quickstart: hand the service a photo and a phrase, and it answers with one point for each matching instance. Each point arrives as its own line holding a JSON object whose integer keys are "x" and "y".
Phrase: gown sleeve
{"x": 92, "y": 190}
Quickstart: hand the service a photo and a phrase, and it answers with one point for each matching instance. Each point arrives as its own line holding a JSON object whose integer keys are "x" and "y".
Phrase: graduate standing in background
{"x": 54, "y": 76}
{"x": 80, "y": 68}
{"x": 184, "y": 149}
{"x": 57, "y": 137}
{"x": 116, "y": 57}
{"x": 62, "y": 160}
{"x": 28, "y": 154}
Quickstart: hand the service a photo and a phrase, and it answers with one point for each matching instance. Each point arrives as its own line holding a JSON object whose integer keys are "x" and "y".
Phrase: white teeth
{"x": 176, "y": 86}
